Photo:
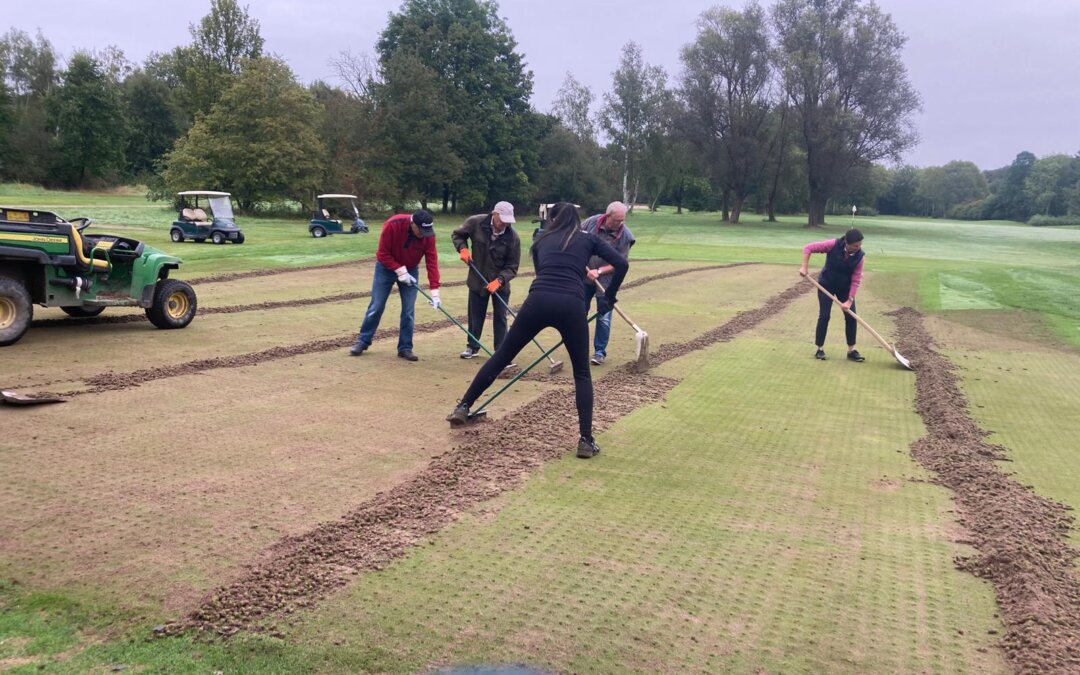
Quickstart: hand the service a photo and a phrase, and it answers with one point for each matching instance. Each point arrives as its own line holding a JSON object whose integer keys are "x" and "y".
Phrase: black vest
{"x": 836, "y": 274}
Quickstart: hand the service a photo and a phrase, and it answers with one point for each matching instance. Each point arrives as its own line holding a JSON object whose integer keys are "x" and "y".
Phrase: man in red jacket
{"x": 404, "y": 240}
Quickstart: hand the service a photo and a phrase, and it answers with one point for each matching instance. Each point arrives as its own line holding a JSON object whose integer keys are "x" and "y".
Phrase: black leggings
{"x": 541, "y": 310}
{"x": 825, "y": 304}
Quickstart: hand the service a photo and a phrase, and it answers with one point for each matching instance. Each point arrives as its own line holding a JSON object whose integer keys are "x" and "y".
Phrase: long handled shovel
{"x": 882, "y": 341}
{"x": 641, "y": 338}
{"x": 555, "y": 366}
{"x": 458, "y": 324}
{"x": 15, "y": 398}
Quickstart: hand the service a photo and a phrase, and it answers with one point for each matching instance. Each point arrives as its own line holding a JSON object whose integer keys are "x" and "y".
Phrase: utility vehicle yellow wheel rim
{"x": 177, "y": 306}
{"x": 7, "y": 312}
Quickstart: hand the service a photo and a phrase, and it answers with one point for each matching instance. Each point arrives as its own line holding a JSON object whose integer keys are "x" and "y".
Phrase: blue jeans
{"x": 603, "y": 322}
{"x": 380, "y": 290}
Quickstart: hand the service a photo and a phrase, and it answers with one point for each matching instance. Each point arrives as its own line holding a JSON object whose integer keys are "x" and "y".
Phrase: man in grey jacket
{"x": 611, "y": 227}
{"x": 496, "y": 252}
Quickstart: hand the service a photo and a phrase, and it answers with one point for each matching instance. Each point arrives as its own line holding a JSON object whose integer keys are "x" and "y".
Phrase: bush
{"x": 1044, "y": 221}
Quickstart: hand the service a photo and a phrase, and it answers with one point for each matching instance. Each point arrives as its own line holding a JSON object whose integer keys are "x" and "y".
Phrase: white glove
{"x": 435, "y": 302}
{"x": 404, "y": 277}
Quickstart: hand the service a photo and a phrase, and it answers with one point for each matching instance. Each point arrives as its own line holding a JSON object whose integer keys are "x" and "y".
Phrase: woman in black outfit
{"x": 556, "y": 299}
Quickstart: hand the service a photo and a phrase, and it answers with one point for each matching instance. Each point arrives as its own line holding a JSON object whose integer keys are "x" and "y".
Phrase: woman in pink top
{"x": 841, "y": 276}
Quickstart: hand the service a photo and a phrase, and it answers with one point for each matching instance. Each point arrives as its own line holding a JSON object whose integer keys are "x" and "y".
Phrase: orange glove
{"x": 465, "y": 255}
{"x": 494, "y": 286}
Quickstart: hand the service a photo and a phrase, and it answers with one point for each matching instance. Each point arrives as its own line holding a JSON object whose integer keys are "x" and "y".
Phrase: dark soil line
{"x": 1021, "y": 538}
{"x": 496, "y": 457}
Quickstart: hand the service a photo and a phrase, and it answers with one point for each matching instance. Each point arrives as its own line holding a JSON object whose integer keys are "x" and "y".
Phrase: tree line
{"x": 796, "y": 108}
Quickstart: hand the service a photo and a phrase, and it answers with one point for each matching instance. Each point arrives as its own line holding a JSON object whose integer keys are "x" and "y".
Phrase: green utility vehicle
{"x": 48, "y": 261}
{"x": 193, "y": 223}
{"x": 328, "y": 219}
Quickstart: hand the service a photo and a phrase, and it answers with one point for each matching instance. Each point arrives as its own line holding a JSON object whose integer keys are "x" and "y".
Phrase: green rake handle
{"x": 507, "y": 306}
{"x": 546, "y": 354}
{"x": 451, "y": 317}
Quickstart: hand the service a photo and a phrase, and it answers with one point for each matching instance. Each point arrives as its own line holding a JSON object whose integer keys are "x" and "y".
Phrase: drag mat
{"x": 1021, "y": 538}
{"x": 111, "y": 381}
{"x": 325, "y": 299}
{"x": 496, "y": 457}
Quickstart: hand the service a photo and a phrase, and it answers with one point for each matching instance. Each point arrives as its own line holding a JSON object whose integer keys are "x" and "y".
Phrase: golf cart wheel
{"x": 82, "y": 312}
{"x": 16, "y": 311}
{"x": 318, "y": 232}
{"x": 177, "y": 236}
{"x": 174, "y": 304}
{"x": 217, "y": 238}
{"x": 240, "y": 238}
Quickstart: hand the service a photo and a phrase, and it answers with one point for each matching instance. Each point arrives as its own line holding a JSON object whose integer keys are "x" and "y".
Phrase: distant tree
{"x": 87, "y": 114}
{"x": 845, "y": 79}
{"x": 631, "y": 111}
{"x": 1047, "y": 186}
{"x": 486, "y": 89}
{"x": 940, "y": 188}
{"x": 7, "y": 123}
{"x": 726, "y": 87}
{"x": 222, "y": 42}
{"x": 29, "y": 65}
{"x": 572, "y": 108}
{"x": 357, "y": 71}
{"x": 417, "y": 130}
{"x": 260, "y": 142}
{"x": 28, "y": 68}
{"x": 154, "y": 123}
{"x": 1010, "y": 200}
{"x": 573, "y": 169}
{"x": 899, "y": 198}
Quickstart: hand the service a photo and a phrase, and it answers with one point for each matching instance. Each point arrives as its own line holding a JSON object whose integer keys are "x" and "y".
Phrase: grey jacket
{"x": 496, "y": 257}
{"x": 621, "y": 240}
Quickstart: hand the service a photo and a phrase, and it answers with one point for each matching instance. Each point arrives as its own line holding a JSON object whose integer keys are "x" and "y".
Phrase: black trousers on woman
{"x": 566, "y": 314}
{"x": 825, "y": 304}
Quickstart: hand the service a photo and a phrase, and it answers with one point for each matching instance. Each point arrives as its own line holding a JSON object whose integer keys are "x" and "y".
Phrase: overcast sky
{"x": 996, "y": 76}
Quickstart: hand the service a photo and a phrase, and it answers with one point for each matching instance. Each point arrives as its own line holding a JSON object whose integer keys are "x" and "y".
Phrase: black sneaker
{"x": 459, "y": 416}
{"x": 358, "y": 349}
{"x": 587, "y": 447}
{"x": 819, "y": 354}
{"x": 470, "y": 353}
{"x": 854, "y": 355}
{"x": 408, "y": 355}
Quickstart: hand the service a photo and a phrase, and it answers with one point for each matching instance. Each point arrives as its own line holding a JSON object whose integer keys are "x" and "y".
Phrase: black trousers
{"x": 478, "y": 304}
{"x": 825, "y": 304}
{"x": 541, "y": 310}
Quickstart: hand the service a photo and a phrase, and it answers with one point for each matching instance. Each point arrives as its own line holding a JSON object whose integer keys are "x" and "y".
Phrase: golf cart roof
{"x": 207, "y": 193}
{"x": 336, "y": 197}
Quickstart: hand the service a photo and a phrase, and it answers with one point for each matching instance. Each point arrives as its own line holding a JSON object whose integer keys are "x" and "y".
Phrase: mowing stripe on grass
{"x": 498, "y": 457}
{"x": 1022, "y": 538}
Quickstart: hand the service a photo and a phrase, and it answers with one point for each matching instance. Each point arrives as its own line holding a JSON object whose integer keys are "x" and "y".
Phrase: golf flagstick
{"x": 882, "y": 341}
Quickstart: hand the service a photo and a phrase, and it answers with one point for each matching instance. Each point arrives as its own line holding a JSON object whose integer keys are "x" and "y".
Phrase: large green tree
{"x": 1047, "y": 186}
{"x": 87, "y": 114}
{"x": 486, "y": 89}
{"x": 844, "y": 77}
{"x": 632, "y": 111}
{"x": 28, "y": 68}
{"x": 153, "y": 122}
{"x": 260, "y": 142}
{"x": 725, "y": 86}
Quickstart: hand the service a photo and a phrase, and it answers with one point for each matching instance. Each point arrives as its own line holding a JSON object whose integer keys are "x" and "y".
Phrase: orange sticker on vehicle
{"x": 19, "y": 216}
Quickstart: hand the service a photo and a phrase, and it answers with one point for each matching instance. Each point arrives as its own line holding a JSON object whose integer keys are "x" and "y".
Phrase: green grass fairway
{"x": 767, "y": 517}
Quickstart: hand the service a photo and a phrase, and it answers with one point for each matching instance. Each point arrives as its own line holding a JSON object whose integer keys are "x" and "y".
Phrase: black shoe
{"x": 854, "y": 355}
{"x": 459, "y": 416}
{"x": 408, "y": 355}
{"x": 587, "y": 447}
{"x": 358, "y": 349}
{"x": 470, "y": 353}
{"x": 820, "y": 354}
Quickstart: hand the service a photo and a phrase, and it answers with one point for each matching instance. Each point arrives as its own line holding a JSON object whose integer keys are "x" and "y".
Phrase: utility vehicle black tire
{"x": 240, "y": 238}
{"x": 16, "y": 311}
{"x": 318, "y": 232}
{"x": 174, "y": 304}
{"x": 217, "y": 238}
{"x": 177, "y": 236}
{"x": 82, "y": 312}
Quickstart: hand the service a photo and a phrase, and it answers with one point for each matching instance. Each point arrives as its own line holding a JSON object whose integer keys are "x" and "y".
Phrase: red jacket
{"x": 399, "y": 247}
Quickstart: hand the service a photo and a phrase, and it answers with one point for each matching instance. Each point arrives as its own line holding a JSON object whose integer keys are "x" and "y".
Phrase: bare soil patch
{"x": 1021, "y": 538}
{"x": 495, "y": 457}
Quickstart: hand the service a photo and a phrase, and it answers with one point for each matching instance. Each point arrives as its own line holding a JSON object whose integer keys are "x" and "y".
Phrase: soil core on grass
{"x": 1021, "y": 538}
{"x": 495, "y": 457}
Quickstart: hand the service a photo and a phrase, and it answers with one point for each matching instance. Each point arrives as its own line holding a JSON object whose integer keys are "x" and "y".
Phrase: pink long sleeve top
{"x": 825, "y": 247}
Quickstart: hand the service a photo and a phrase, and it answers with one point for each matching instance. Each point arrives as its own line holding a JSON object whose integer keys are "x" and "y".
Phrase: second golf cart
{"x": 192, "y": 222}
{"x": 327, "y": 219}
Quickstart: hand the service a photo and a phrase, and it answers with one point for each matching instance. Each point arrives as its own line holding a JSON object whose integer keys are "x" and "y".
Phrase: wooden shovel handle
{"x": 618, "y": 309}
{"x": 884, "y": 343}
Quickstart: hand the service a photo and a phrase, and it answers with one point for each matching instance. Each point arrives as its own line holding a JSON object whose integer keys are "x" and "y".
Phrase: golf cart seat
{"x": 188, "y": 215}
{"x": 326, "y": 216}
{"x": 200, "y": 217}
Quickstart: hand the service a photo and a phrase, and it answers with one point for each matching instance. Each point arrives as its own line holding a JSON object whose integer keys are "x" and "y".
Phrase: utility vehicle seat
{"x": 82, "y": 249}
